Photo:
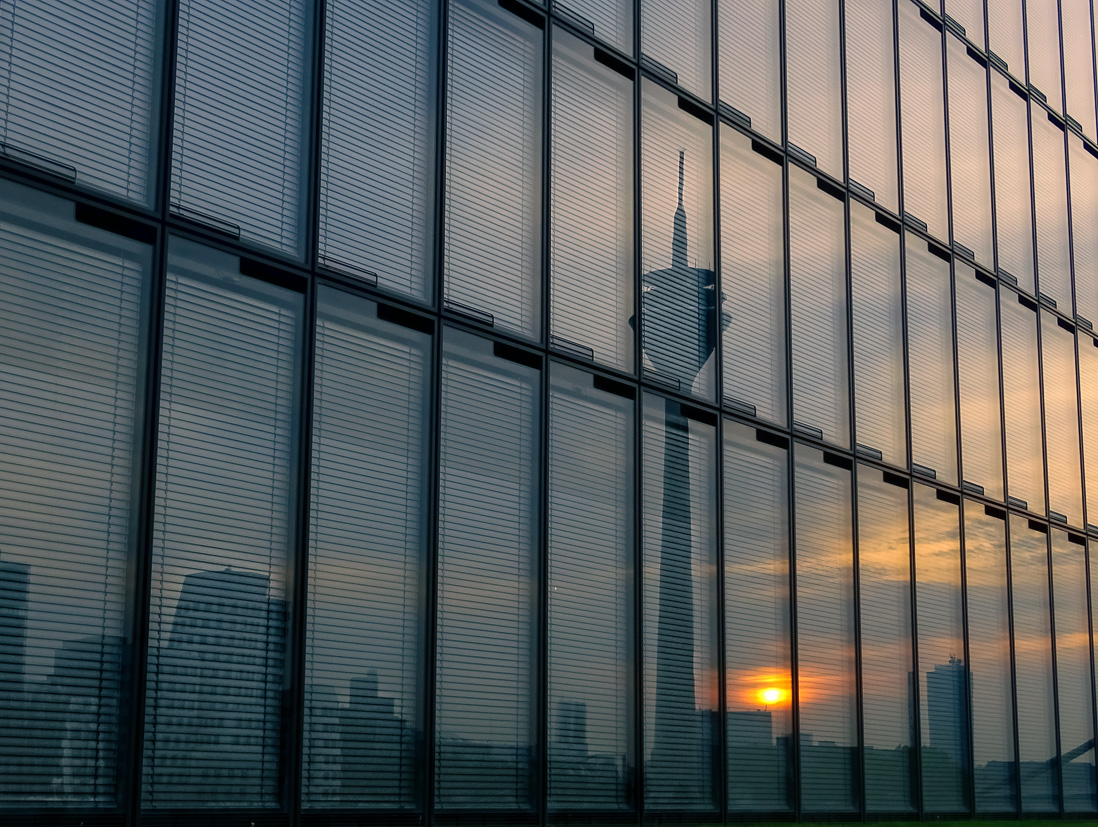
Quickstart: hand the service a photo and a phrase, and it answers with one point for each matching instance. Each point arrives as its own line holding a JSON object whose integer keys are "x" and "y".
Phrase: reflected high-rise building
{"x": 14, "y": 586}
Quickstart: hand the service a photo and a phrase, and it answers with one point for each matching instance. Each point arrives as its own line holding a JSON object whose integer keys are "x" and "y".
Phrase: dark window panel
{"x": 367, "y": 514}
{"x": 978, "y": 372}
{"x": 492, "y": 265}
{"x": 814, "y": 81}
{"x": 72, "y": 307}
{"x": 81, "y": 92}
{"x": 591, "y": 246}
{"x": 1065, "y": 490}
{"x": 930, "y": 361}
{"x": 240, "y": 145}
{"x": 1033, "y": 667}
{"x": 1073, "y": 674}
{"x": 826, "y": 693}
{"x": 943, "y": 673}
{"x": 679, "y": 553}
{"x": 888, "y": 702}
{"x": 970, "y": 152}
{"x": 591, "y": 554}
{"x": 749, "y": 57}
{"x": 488, "y": 542}
{"x": 818, "y": 295}
{"x": 871, "y": 99}
{"x": 377, "y": 163}
{"x": 1013, "y": 209}
{"x": 877, "y": 299}
{"x": 1022, "y": 403}
{"x": 754, "y": 336}
{"x": 759, "y": 723}
{"x": 222, "y": 536}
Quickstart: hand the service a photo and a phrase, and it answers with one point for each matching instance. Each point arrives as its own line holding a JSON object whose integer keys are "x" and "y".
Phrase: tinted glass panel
{"x": 970, "y": 152}
{"x": 1013, "y": 212}
{"x": 1084, "y": 229}
{"x": 222, "y": 536}
{"x": 676, "y": 42}
{"x": 95, "y": 127}
{"x": 1005, "y": 34}
{"x": 814, "y": 81}
{"x": 1065, "y": 492}
{"x": 1088, "y": 383}
{"x": 1022, "y": 403}
{"x": 492, "y": 267}
{"x": 680, "y": 607}
{"x": 608, "y": 20}
{"x": 943, "y": 690}
{"x": 757, "y": 623}
{"x": 1050, "y": 194}
{"x": 1043, "y": 46}
{"x": 923, "y": 120}
{"x": 678, "y": 333}
{"x": 749, "y": 33}
{"x": 930, "y": 361}
{"x": 239, "y": 147}
{"x": 1033, "y": 667}
{"x": 987, "y": 589}
{"x": 826, "y": 691}
{"x": 70, "y": 307}
{"x": 871, "y": 98}
{"x": 752, "y": 280}
{"x": 877, "y": 300}
{"x": 591, "y": 247}
{"x": 590, "y": 594}
{"x": 978, "y": 374}
{"x": 1078, "y": 62}
{"x": 970, "y": 14}
{"x": 484, "y": 683}
{"x": 817, "y": 273}
{"x": 366, "y": 546}
{"x": 377, "y": 161}
{"x": 1073, "y": 675}
{"x": 884, "y": 566}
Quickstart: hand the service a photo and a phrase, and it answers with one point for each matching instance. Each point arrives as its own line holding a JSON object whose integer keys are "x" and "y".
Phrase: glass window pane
{"x": 818, "y": 296}
{"x": 930, "y": 361}
{"x": 1005, "y": 36}
{"x": 609, "y": 20}
{"x": 871, "y": 99}
{"x": 591, "y": 558}
{"x": 71, "y": 307}
{"x": 1043, "y": 46}
{"x": 99, "y": 127}
{"x": 1084, "y": 230}
{"x": 1073, "y": 676}
{"x": 880, "y": 422}
{"x": 676, "y": 42}
{"x": 1065, "y": 490}
{"x": 1075, "y": 17}
{"x": 826, "y": 689}
{"x": 591, "y": 248}
{"x": 1050, "y": 193}
{"x": 492, "y": 267}
{"x": 970, "y": 153}
{"x": 970, "y": 14}
{"x": 1033, "y": 666}
{"x": 1013, "y": 212}
{"x": 988, "y": 604}
{"x": 680, "y": 607}
{"x": 1022, "y": 403}
{"x": 922, "y": 112}
{"x": 487, "y": 551}
{"x": 943, "y": 690}
{"x": 377, "y": 162}
{"x": 884, "y": 566}
{"x": 678, "y": 300}
{"x": 749, "y": 33}
{"x": 978, "y": 374}
{"x": 1088, "y": 384}
{"x": 222, "y": 535}
{"x": 367, "y": 508}
{"x": 752, "y": 280}
{"x": 759, "y": 723}
{"x": 241, "y": 142}
{"x": 814, "y": 81}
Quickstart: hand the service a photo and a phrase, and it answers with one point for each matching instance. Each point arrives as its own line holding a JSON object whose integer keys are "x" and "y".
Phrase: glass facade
{"x": 535, "y": 412}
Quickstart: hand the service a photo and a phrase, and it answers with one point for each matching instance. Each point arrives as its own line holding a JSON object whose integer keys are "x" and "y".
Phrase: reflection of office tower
{"x": 214, "y": 705}
{"x": 572, "y": 730}
{"x": 945, "y": 705}
{"x": 370, "y": 738}
{"x": 14, "y": 583}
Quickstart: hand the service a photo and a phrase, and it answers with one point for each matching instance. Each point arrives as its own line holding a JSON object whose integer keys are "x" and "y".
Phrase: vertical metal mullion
{"x": 638, "y": 442}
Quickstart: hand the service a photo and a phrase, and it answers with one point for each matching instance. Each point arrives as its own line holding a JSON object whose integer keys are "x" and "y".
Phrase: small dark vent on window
{"x": 1074, "y": 124}
{"x": 1009, "y": 278}
{"x": 833, "y": 190}
{"x": 948, "y": 497}
{"x": 474, "y": 313}
{"x": 405, "y": 318}
{"x": 1046, "y": 299}
{"x": 997, "y": 61}
{"x": 1036, "y": 526}
{"x": 1078, "y": 539}
{"x": 984, "y": 278}
{"x": 1084, "y": 323}
{"x": 863, "y": 191}
{"x": 619, "y": 66}
{"x": 368, "y": 276}
{"x": 692, "y": 108}
{"x": 529, "y": 15}
{"x": 1037, "y": 93}
{"x": 885, "y": 221}
{"x": 1018, "y": 502}
{"x": 601, "y": 383}
{"x": 767, "y": 151}
{"x": 768, "y": 438}
{"x": 733, "y": 114}
{"x": 577, "y": 20}
{"x": 1068, "y": 326}
{"x": 838, "y": 461}
{"x": 803, "y": 156}
{"x": 972, "y": 488}
{"x": 272, "y": 275}
{"x": 915, "y": 222}
{"x": 1025, "y": 301}
{"x": 1091, "y": 148}
{"x": 1017, "y": 89}
{"x": 930, "y": 18}
{"x": 897, "y": 480}
{"x": 572, "y": 348}
{"x": 745, "y": 408}
{"x": 868, "y": 451}
{"x": 1057, "y": 517}
{"x": 808, "y": 430}
{"x": 940, "y": 252}
{"x": 699, "y": 414}
{"x": 962, "y": 250}
{"x": 115, "y": 223}
{"x": 657, "y": 68}
{"x": 979, "y": 58}
{"x": 997, "y": 513}
{"x": 517, "y": 355}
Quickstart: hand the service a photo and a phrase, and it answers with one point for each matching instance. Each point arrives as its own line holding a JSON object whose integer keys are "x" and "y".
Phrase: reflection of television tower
{"x": 678, "y": 337}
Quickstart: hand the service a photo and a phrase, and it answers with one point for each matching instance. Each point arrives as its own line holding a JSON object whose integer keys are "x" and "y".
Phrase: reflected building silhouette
{"x": 14, "y": 587}
{"x": 371, "y": 736}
